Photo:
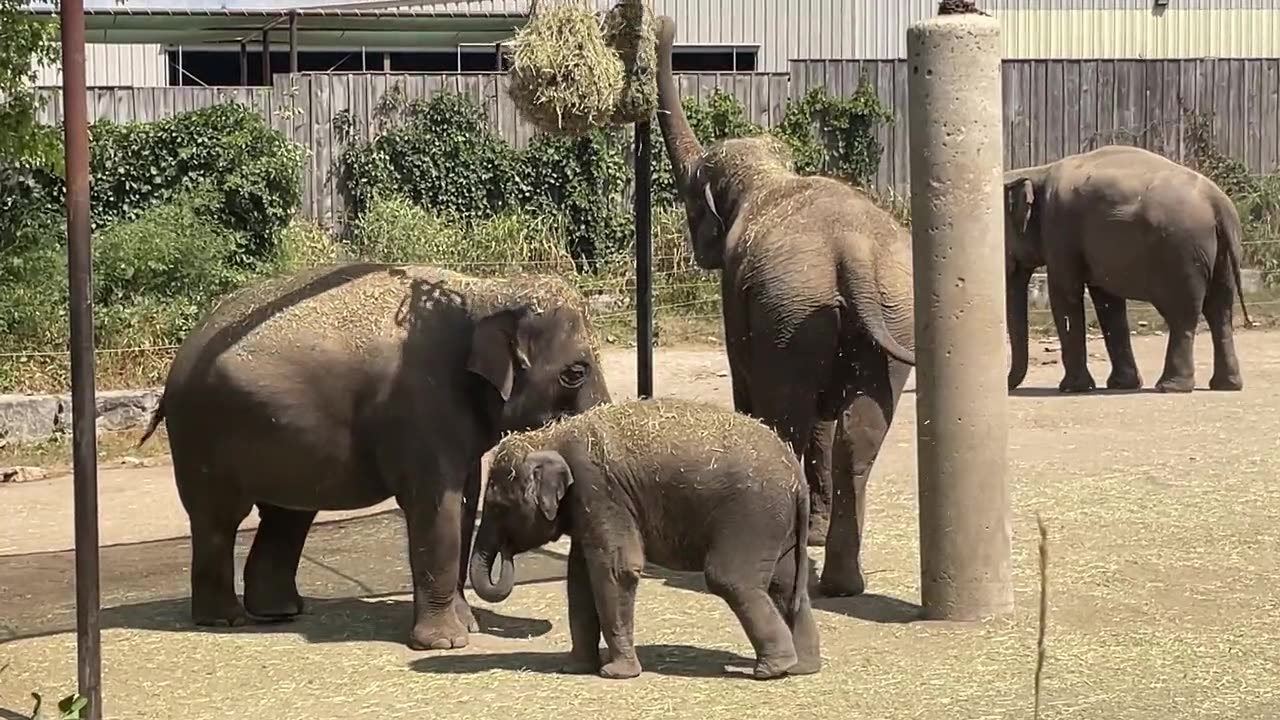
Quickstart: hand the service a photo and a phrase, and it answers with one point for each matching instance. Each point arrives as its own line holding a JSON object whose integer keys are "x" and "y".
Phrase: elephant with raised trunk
{"x": 816, "y": 288}
{"x": 339, "y": 387}
{"x": 1127, "y": 224}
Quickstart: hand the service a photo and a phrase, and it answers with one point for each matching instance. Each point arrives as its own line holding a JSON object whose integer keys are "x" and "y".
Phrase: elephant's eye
{"x": 574, "y": 375}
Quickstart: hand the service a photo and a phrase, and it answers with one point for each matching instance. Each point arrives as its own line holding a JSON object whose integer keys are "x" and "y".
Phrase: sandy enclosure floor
{"x": 1163, "y": 592}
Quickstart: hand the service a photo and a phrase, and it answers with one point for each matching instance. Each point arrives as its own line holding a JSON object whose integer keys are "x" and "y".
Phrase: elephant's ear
{"x": 551, "y": 480}
{"x": 494, "y": 351}
{"x": 1021, "y": 196}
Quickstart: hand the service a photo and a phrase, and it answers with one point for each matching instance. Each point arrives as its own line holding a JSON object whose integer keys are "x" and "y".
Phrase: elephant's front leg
{"x": 1113, "y": 318}
{"x": 861, "y": 432}
{"x": 584, "y": 621}
{"x": 615, "y": 575}
{"x": 1066, "y": 298}
{"x": 470, "y": 502}
{"x": 433, "y": 516}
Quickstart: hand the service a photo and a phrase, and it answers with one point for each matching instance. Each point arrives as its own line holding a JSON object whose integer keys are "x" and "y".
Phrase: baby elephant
{"x": 683, "y": 485}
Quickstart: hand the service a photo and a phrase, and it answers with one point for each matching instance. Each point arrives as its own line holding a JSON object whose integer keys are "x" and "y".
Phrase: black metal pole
{"x": 266, "y": 57}
{"x": 244, "y": 63}
{"x": 644, "y": 261}
{"x": 83, "y": 401}
{"x": 293, "y": 41}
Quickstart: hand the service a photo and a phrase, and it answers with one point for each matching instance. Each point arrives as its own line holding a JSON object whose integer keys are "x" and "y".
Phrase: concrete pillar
{"x": 958, "y": 234}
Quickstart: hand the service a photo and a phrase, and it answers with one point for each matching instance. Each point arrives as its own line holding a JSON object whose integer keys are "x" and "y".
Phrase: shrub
{"x": 154, "y": 277}
{"x": 304, "y": 244}
{"x": 254, "y": 171}
{"x": 396, "y": 230}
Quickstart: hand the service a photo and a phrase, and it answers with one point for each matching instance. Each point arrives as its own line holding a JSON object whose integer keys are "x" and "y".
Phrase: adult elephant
{"x": 817, "y": 299}
{"x": 1128, "y": 224}
{"x": 339, "y": 387}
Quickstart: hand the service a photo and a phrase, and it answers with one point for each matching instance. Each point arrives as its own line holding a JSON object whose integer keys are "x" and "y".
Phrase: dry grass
{"x": 630, "y": 28}
{"x": 564, "y": 77}
{"x": 113, "y": 447}
{"x": 1162, "y": 515}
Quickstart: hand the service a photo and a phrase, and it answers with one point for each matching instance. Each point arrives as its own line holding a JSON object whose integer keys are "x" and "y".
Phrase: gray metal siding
{"x": 115, "y": 66}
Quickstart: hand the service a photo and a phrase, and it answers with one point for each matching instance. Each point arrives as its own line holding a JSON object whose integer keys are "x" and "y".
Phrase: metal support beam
{"x": 266, "y": 58}
{"x": 293, "y": 41}
{"x": 244, "y": 63}
{"x": 83, "y": 397}
{"x": 644, "y": 260}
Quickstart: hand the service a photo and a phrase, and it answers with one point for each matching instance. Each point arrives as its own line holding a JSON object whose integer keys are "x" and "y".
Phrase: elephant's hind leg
{"x": 740, "y": 574}
{"x": 1219, "y": 305}
{"x": 1179, "y": 359}
{"x": 1113, "y": 318}
{"x": 817, "y": 470}
{"x": 271, "y": 572}
{"x": 214, "y": 517}
{"x": 804, "y": 629}
{"x": 859, "y": 437}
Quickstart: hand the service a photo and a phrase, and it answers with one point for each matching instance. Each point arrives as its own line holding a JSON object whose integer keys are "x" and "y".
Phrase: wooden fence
{"x": 1051, "y": 108}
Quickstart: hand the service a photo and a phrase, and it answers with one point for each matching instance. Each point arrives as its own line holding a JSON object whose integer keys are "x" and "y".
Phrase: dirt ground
{"x": 1163, "y": 575}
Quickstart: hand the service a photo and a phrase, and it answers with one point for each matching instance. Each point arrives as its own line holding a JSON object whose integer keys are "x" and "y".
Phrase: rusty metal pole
{"x": 644, "y": 260}
{"x": 83, "y": 398}
{"x": 293, "y": 41}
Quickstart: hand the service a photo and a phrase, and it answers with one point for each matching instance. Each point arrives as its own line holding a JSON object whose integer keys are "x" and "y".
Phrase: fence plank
{"x": 1050, "y": 108}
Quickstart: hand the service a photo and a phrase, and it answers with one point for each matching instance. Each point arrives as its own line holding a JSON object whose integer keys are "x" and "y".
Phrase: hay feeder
{"x": 574, "y": 70}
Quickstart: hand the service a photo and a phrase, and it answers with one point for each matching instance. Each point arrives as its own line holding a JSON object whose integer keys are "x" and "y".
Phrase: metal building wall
{"x": 115, "y": 66}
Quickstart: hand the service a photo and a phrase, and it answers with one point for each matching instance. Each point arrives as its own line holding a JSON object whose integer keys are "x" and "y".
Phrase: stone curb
{"x": 36, "y": 418}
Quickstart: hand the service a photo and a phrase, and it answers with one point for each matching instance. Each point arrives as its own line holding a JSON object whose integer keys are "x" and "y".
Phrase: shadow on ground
{"x": 670, "y": 660}
{"x": 354, "y": 576}
{"x": 868, "y": 607}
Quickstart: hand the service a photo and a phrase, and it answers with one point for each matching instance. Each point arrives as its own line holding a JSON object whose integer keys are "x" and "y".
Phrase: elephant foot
{"x": 1124, "y": 380}
{"x": 818, "y": 525}
{"x": 445, "y": 632}
{"x": 586, "y": 662}
{"x": 226, "y": 613}
{"x": 806, "y": 666}
{"x": 273, "y": 604}
{"x": 774, "y": 667}
{"x": 835, "y": 583}
{"x": 465, "y": 615}
{"x": 621, "y": 669}
{"x": 1077, "y": 384}
{"x": 1176, "y": 385}
{"x": 1229, "y": 383}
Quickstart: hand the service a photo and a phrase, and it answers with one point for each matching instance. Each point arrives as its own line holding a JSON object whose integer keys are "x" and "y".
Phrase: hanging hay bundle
{"x": 572, "y": 72}
{"x": 630, "y": 30}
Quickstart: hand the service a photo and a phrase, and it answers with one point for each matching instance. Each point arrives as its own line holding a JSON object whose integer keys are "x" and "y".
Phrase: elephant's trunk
{"x": 1016, "y": 308}
{"x": 480, "y": 570}
{"x": 682, "y": 145}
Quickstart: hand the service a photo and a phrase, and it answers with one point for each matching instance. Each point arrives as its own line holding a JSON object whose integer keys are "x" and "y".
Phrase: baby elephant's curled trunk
{"x": 480, "y": 570}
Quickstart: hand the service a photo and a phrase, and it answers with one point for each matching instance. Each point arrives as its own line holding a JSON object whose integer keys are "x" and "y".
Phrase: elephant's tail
{"x": 156, "y": 417}
{"x": 1230, "y": 235}
{"x": 802, "y": 547}
{"x": 872, "y": 311}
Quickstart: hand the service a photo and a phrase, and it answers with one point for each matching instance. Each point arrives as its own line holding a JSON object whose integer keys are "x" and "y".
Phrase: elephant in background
{"x": 1128, "y": 224}
{"x": 816, "y": 286}
{"x": 339, "y": 387}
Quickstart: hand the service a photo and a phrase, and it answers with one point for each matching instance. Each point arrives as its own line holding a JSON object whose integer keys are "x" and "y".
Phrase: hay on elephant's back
{"x": 564, "y": 78}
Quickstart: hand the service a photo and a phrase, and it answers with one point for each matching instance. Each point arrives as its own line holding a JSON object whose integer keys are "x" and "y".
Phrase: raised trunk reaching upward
{"x": 1016, "y": 319}
{"x": 682, "y": 145}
